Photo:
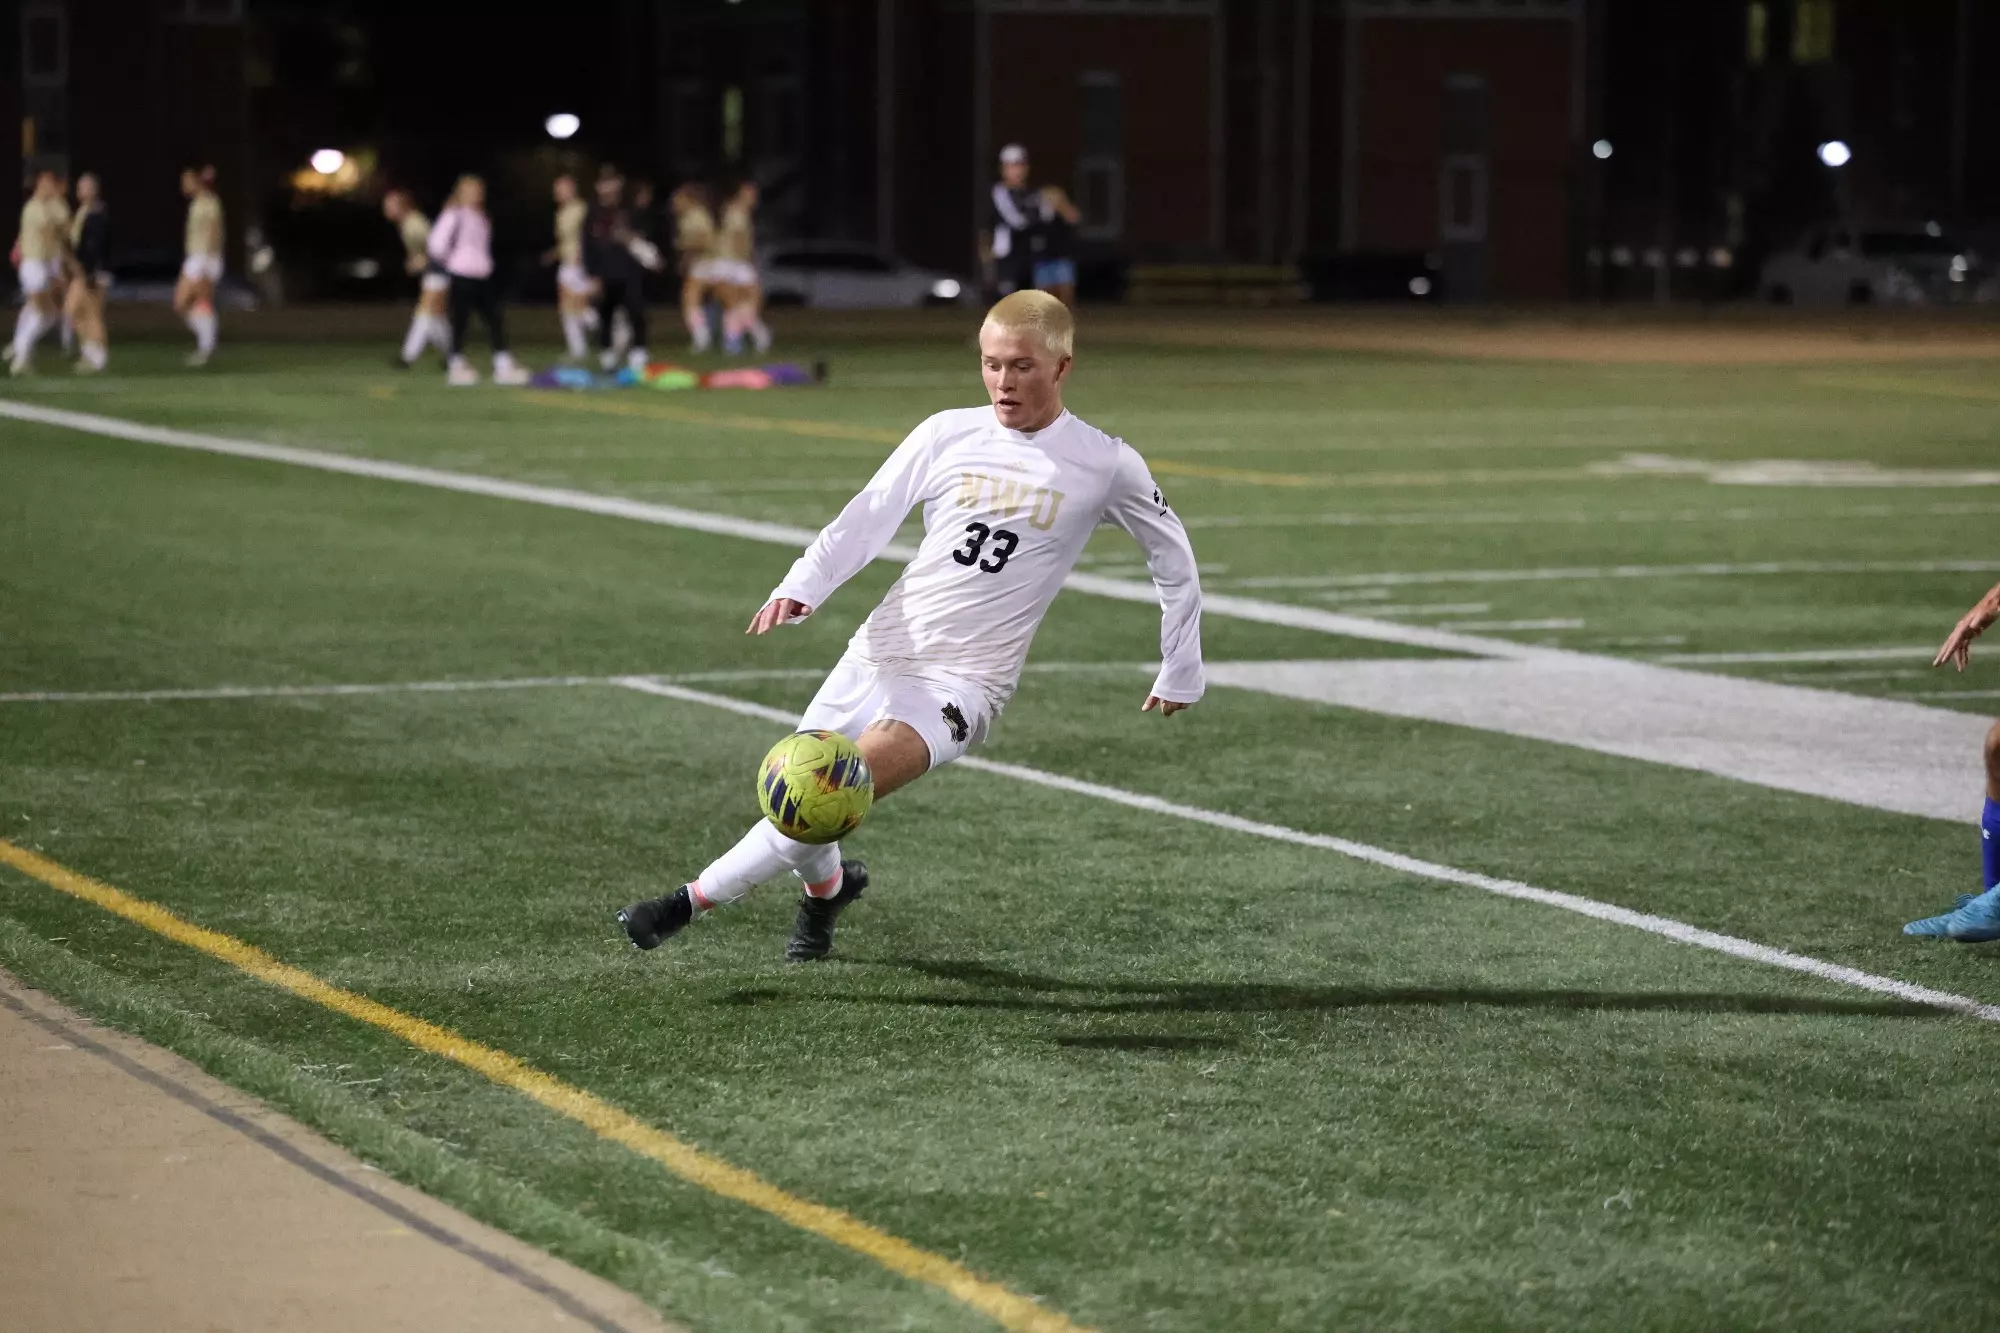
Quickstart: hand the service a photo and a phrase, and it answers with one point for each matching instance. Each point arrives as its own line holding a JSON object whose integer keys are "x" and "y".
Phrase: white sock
{"x": 503, "y": 362}
{"x": 759, "y": 334}
{"x": 764, "y": 853}
{"x": 697, "y": 326}
{"x": 94, "y": 355}
{"x": 440, "y": 333}
{"x": 27, "y": 328}
{"x": 68, "y": 334}
{"x": 203, "y": 324}
{"x": 417, "y": 338}
{"x": 573, "y": 337}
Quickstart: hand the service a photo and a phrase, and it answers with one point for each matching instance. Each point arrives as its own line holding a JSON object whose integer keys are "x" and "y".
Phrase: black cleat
{"x": 648, "y": 924}
{"x": 397, "y": 363}
{"x": 812, "y": 933}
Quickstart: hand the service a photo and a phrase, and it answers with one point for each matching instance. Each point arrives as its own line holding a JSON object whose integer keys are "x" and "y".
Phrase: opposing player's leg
{"x": 694, "y": 313}
{"x": 86, "y": 309}
{"x": 199, "y": 307}
{"x": 36, "y": 317}
{"x": 1976, "y": 919}
{"x": 460, "y": 299}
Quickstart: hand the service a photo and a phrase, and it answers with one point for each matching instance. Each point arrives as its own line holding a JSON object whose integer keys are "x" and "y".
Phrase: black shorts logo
{"x": 956, "y": 721}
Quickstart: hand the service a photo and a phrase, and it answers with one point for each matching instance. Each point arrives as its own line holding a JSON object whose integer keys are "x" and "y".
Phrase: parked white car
{"x": 839, "y": 276}
{"x": 1844, "y": 265}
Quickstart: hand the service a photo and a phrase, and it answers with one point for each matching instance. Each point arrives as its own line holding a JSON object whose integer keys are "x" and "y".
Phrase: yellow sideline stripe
{"x": 1904, "y": 384}
{"x": 1008, "y": 1309}
{"x": 693, "y": 416}
{"x": 837, "y": 430}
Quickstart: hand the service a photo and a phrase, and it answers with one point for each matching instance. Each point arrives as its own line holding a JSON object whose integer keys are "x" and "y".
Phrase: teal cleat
{"x": 1975, "y": 920}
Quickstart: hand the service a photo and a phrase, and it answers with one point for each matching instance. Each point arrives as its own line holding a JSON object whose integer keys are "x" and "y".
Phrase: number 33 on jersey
{"x": 998, "y": 502}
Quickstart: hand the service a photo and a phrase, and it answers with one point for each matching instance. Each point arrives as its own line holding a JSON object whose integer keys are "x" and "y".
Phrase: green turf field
{"x": 1157, "y": 1074}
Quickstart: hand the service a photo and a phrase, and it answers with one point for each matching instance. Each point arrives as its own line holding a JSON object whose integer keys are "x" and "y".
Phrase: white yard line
{"x": 1889, "y": 654}
{"x": 1457, "y": 518}
{"x": 298, "y": 691}
{"x": 1414, "y": 577}
{"x": 1409, "y": 865}
{"x": 1515, "y": 625}
{"x": 505, "y": 683}
{"x": 725, "y": 525}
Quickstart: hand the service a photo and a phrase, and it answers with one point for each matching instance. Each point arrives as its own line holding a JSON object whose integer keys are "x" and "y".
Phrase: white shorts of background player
{"x": 198, "y": 268}
{"x": 36, "y": 275}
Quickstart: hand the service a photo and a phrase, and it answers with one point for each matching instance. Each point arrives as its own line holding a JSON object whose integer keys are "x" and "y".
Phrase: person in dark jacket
{"x": 616, "y": 255}
{"x": 90, "y": 274}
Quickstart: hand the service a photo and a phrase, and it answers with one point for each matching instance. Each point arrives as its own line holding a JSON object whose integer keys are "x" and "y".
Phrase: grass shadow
{"x": 1000, "y": 988}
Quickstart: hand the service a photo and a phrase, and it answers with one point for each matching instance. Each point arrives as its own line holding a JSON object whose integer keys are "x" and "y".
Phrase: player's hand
{"x": 777, "y": 612}
{"x": 1957, "y": 649}
{"x": 1167, "y": 707}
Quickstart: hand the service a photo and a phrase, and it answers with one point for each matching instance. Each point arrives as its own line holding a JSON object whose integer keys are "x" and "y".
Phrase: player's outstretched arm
{"x": 1957, "y": 648}
{"x": 778, "y": 611}
{"x": 1138, "y": 507}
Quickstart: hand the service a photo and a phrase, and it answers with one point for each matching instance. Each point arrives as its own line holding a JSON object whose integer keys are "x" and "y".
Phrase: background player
{"x": 38, "y": 260}
{"x": 1977, "y": 916}
{"x": 1055, "y": 245}
{"x": 1011, "y": 494}
{"x": 735, "y": 270}
{"x": 1012, "y": 213}
{"x": 462, "y": 245}
{"x": 574, "y": 287}
{"x": 90, "y": 275}
{"x": 201, "y": 270}
{"x": 615, "y": 254}
{"x": 694, "y": 238}
{"x": 428, "y": 326}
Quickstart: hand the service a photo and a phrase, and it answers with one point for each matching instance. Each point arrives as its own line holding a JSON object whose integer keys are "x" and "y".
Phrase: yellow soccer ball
{"x": 815, "y": 787}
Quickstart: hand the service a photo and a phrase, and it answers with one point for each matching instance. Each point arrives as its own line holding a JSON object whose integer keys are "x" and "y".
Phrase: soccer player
{"x": 201, "y": 270}
{"x": 1976, "y": 919}
{"x": 427, "y": 322}
{"x": 1010, "y": 493}
{"x": 38, "y": 260}
{"x": 574, "y": 286}
{"x": 60, "y": 217}
{"x": 90, "y": 276}
{"x": 735, "y": 269}
{"x": 694, "y": 238}
{"x": 1013, "y": 213}
{"x": 1055, "y": 248}
{"x": 462, "y": 245}
{"x": 616, "y": 255}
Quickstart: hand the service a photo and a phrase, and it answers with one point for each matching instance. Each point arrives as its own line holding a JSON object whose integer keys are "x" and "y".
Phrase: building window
{"x": 1812, "y": 32}
{"x": 1100, "y": 157}
{"x": 732, "y": 125}
{"x": 1756, "y": 32}
{"x": 44, "y": 46}
{"x": 205, "y": 11}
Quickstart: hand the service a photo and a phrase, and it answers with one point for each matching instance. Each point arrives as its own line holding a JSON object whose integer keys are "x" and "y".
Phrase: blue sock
{"x": 1989, "y": 841}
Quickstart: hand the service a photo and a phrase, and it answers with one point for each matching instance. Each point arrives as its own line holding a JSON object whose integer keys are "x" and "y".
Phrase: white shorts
{"x": 726, "y": 272}
{"x": 572, "y": 278}
{"x": 435, "y": 281}
{"x": 36, "y": 275}
{"x": 951, "y": 717}
{"x": 199, "y": 267}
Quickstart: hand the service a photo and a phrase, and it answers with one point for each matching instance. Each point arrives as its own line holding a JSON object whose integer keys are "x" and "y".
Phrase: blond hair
{"x": 1040, "y": 314}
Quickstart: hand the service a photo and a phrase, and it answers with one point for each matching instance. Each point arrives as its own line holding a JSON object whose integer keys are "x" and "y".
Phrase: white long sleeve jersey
{"x": 1006, "y": 514}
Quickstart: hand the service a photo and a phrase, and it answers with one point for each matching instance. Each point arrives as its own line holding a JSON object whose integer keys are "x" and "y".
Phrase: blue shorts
{"x": 1055, "y": 273}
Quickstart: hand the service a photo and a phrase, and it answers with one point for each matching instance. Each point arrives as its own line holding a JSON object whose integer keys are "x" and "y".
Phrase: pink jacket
{"x": 462, "y": 242}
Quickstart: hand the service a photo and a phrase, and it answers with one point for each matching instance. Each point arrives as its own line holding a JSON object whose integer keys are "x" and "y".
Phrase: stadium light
{"x": 1835, "y": 153}
{"x": 326, "y": 161}
{"x": 1601, "y": 149}
{"x": 562, "y": 125}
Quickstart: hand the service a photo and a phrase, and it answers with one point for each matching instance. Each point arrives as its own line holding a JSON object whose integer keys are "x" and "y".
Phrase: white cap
{"x": 1013, "y": 152}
